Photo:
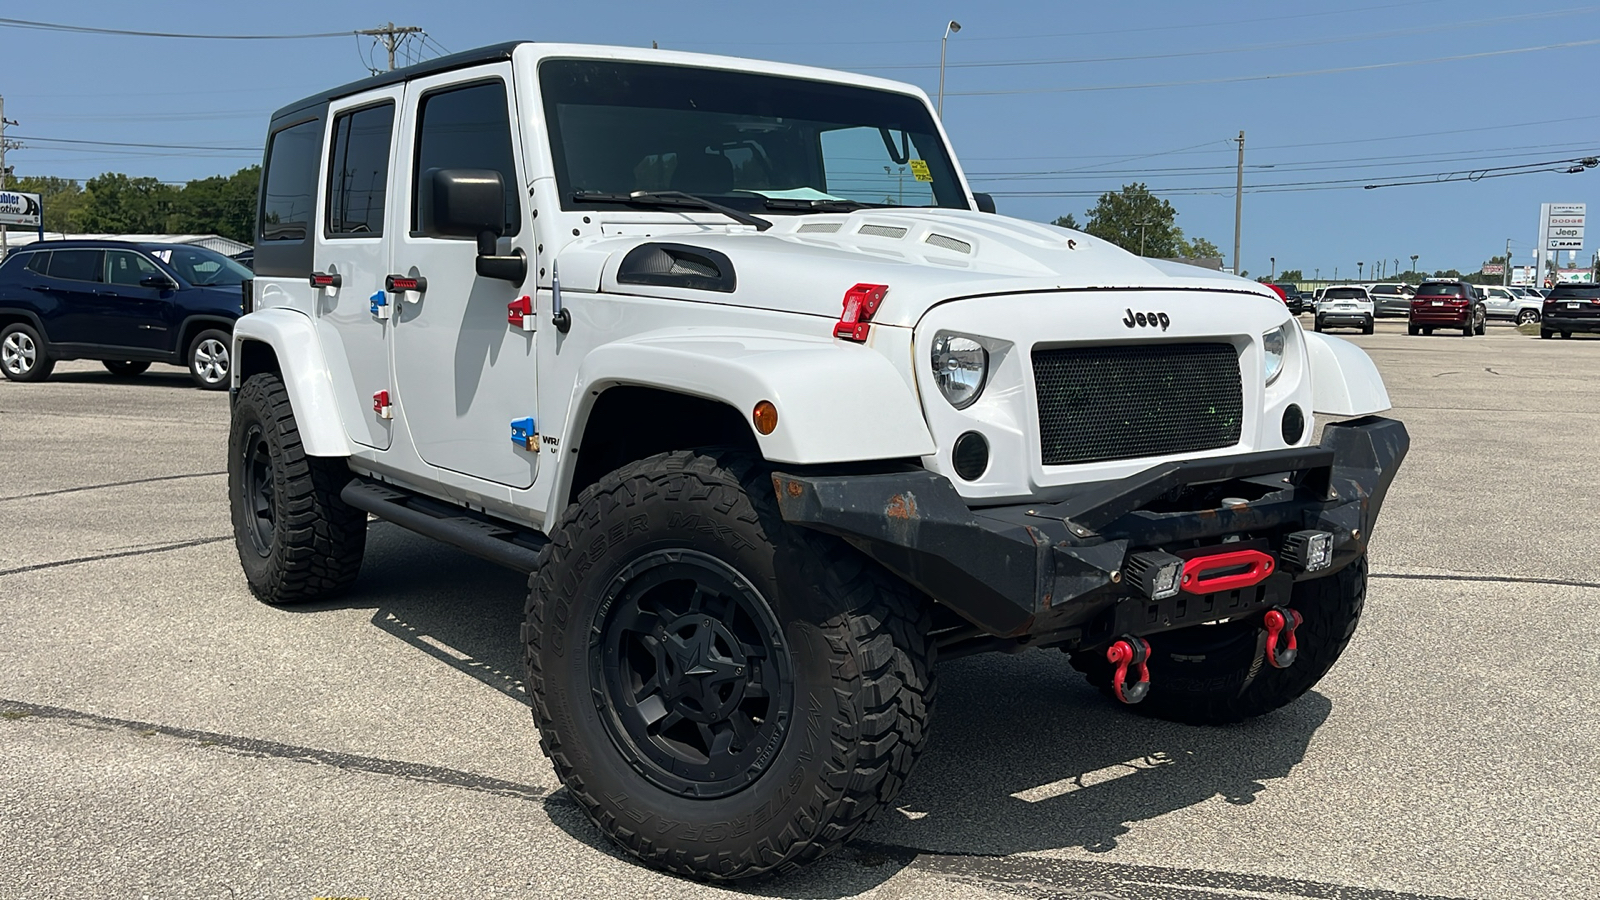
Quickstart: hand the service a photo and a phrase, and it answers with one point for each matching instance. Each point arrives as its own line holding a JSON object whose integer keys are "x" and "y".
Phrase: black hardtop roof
{"x": 460, "y": 60}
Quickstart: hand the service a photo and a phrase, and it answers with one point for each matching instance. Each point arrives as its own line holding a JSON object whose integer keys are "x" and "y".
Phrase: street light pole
{"x": 1272, "y": 273}
{"x": 1238, "y": 208}
{"x": 1413, "y": 263}
{"x": 1505, "y": 270}
{"x": 949, "y": 29}
{"x": 1358, "y": 270}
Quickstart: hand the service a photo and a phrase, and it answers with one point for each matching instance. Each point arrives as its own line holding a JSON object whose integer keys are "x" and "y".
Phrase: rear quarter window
{"x": 289, "y": 185}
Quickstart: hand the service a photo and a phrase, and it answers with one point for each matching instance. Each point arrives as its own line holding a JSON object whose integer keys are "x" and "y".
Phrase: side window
{"x": 358, "y": 171}
{"x": 467, "y": 128}
{"x": 39, "y": 262}
{"x": 289, "y": 186}
{"x": 127, "y": 267}
{"x": 76, "y": 265}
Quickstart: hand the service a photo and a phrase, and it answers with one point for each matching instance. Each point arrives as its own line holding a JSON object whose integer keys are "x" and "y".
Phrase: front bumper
{"x": 1055, "y": 570}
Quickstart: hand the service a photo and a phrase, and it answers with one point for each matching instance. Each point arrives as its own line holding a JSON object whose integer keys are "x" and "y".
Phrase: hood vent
{"x": 948, "y": 243}
{"x": 678, "y": 265}
{"x": 884, "y": 231}
{"x": 818, "y": 228}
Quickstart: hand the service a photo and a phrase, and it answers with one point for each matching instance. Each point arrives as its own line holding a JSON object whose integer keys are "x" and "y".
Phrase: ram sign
{"x": 1561, "y": 226}
{"x": 20, "y": 209}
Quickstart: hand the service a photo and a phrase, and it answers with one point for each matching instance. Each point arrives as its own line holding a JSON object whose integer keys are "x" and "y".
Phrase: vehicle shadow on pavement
{"x": 1024, "y": 756}
{"x": 162, "y": 378}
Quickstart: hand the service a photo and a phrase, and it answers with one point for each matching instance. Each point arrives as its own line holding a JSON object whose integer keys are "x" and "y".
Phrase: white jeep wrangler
{"x": 775, "y": 411}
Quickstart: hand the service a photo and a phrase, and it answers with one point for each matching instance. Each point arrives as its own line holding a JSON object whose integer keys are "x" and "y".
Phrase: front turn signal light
{"x": 765, "y": 417}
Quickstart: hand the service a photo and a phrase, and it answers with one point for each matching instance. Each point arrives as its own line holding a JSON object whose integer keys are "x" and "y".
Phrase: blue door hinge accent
{"x": 380, "y": 305}
{"x": 524, "y": 434}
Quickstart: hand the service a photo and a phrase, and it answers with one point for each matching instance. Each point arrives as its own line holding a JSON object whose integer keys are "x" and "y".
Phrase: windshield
{"x": 740, "y": 138}
{"x": 203, "y": 268}
{"x": 1345, "y": 294}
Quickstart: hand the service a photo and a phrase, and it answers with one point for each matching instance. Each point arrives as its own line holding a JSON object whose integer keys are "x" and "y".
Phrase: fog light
{"x": 1308, "y": 551}
{"x": 971, "y": 456}
{"x": 1157, "y": 574}
{"x": 1294, "y": 425}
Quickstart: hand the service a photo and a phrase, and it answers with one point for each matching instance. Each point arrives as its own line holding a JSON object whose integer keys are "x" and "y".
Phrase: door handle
{"x": 321, "y": 280}
{"x": 400, "y": 284}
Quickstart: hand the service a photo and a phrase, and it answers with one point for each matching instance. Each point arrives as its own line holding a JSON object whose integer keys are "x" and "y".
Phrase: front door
{"x": 353, "y": 308}
{"x": 464, "y": 373}
{"x": 1499, "y": 302}
{"x": 134, "y": 315}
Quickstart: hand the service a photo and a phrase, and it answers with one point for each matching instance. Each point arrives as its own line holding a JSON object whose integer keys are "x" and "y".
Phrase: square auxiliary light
{"x": 1309, "y": 551}
{"x": 1159, "y": 575}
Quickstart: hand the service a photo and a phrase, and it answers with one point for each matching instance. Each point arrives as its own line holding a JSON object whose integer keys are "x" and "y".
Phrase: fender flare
{"x": 1344, "y": 379}
{"x": 304, "y": 372}
{"x": 836, "y": 403}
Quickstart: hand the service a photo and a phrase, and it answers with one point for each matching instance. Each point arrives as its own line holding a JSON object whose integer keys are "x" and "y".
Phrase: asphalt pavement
{"x": 163, "y": 734}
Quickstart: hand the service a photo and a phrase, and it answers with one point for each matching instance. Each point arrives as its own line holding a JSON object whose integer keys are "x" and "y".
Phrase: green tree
{"x": 1291, "y": 276}
{"x": 1135, "y": 220}
{"x": 1199, "y": 248}
{"x": 62, "y": 199}
{"x": 117, "y": 204}
{"x": 1067, "y": 221}
{"x": 221, "y": 204}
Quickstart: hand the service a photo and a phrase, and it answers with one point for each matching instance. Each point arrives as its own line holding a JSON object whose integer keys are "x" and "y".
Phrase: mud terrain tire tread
{"x": 881, "y": 664}
{"x": 319, "y": 539}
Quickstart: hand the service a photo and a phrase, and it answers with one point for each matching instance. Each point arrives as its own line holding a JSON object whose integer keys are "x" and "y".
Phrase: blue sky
{"x": 1068, "y": 125}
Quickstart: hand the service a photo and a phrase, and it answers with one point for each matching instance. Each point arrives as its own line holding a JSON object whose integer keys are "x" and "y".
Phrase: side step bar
{"x": 499, "y": 542}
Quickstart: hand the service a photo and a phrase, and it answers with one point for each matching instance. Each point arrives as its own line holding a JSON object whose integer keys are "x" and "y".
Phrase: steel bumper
{"x": 1056, "y": 568}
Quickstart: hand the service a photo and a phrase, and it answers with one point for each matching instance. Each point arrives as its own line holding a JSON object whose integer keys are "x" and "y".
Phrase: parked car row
{"x": 125, "y": 304}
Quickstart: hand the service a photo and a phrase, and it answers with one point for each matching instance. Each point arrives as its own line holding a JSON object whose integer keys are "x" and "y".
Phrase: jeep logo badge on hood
{"x": 1147, "y": 320}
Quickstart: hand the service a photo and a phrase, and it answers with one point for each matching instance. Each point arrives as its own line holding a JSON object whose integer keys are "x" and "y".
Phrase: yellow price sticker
{"x": 919, "y": 170}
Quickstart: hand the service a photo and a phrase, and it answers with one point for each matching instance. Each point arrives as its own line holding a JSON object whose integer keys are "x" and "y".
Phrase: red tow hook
{"x": 1280, "y": 620}
{"x": 1129, "y": 650}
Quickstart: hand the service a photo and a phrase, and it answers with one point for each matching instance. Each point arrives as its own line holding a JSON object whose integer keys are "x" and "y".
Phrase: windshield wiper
{"x": 670, "y": 199}
{"x": 820, "y": 205}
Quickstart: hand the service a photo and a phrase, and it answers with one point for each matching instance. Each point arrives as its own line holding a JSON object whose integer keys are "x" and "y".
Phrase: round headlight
{"x": 1272, "y": 344}
{"x": 960, "y": 367}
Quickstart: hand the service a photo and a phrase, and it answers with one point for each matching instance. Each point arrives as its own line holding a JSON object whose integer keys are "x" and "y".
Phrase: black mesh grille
{"x": 1125, "y": 402}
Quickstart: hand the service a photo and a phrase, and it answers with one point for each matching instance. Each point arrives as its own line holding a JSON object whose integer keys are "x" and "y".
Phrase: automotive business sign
{"x": 20, "y": 209}
{"x": 1561, "y": 226}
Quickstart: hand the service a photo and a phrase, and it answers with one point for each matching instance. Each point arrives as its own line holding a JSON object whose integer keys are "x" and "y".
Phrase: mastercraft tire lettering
{"x": 725, "y": 696}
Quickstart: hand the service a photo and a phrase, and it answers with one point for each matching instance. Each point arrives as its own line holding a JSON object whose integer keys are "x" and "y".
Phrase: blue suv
{"x": 123, "y": 303}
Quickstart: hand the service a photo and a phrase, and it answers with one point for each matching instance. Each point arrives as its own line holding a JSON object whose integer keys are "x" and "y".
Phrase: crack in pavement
{"x": 17, "y": 710}
{"x": 117, "y": 555}
{"x": 113, "y": 484}
{"x": 1492, "y": 579}
{"x": 1020, "y": 875}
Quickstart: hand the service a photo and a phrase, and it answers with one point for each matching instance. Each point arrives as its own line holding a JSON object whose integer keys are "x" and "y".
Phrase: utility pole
{"x": 5, "y": 144}
{"x": 392, "y": 36}
{"x": 1505, "y": 270}
{"x": 1238, "y": 207}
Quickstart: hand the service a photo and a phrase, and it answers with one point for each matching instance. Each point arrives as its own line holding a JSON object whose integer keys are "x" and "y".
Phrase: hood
{"x": 805, "y": 264}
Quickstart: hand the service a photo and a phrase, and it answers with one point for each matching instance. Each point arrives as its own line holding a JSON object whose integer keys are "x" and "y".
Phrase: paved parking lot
{"x": 163, "y": 734}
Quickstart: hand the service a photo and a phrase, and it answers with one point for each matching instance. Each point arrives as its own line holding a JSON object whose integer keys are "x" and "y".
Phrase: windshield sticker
{"x": 919, "y": 170}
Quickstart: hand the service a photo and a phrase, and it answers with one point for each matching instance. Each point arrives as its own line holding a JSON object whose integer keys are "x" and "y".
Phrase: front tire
{"x": 22, "y": 356}
{"x": 297, "y": 540}
{"x": 1217, "y": 674}
{"x": 209, "y": 359}
{"x": 726, "y": 696}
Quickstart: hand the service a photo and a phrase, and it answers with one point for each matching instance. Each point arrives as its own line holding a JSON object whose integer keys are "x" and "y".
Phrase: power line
{"x": 123, "y": 32}
{"x": 1281, "y": 45}
{"x": 1234, "y": 79}
{"x": 133, "y": 144}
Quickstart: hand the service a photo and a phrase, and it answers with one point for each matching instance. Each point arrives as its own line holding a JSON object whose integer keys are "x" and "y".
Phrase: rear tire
{"x": 1218, "y": 675}
{"x": 1427, "y": 331}
{"x": 1368, "y": 327}
{"x": 1483, "y": 327}
{"x": 1546, "y": 333}
{"x": 726, "y": 696}
{"x": 1565, "y": 335}
{"x": 22, "y": 356}
{"x": 1527, "y": 316}
{"x": 209, "y": 363}
{"x": 297, "y": 540}
{"x": 125, "y": 368}
{"x": 1317, "y": 324}
{"x": 1413, "y": 330}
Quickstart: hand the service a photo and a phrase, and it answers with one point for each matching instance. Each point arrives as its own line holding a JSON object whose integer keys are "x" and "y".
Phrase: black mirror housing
{"x": 985, "y": 201}
{"x": 469, "y": 203}
{"x": 159, "y": 282}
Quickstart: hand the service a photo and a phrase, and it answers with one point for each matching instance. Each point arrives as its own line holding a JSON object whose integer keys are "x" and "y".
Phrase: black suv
{"x": 123, "y": 303}
{"x": 1569, "y": 308}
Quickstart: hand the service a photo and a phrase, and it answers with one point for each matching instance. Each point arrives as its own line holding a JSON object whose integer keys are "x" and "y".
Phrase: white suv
{"x": 1345, "y": 306}
{"x": 1510, "y": 303}
{"x": 775, "y": 412}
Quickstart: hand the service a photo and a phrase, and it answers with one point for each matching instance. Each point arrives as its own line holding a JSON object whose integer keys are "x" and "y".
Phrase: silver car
{"x": 1391, "y": 299}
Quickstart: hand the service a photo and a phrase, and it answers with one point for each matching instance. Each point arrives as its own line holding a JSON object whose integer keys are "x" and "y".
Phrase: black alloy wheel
{"x": 697, "y": 680}
{"x": 258, "y": 496}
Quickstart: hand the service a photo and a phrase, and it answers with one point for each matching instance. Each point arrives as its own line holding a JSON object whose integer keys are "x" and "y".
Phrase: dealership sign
{"x": 20, "y": 209}
{"x": 1493, "y": 269}
{"x": 1561, "y": 226}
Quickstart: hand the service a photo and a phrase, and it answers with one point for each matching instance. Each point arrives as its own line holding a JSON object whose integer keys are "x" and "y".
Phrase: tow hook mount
{"x": 1281, "y": 621}
{"x": 1130, "y": 651}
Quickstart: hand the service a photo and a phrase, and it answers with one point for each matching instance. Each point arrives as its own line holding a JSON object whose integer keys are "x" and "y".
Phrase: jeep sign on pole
{"x": 1561, "y": 226}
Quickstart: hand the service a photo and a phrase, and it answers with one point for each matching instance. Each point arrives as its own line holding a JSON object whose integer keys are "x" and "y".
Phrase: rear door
{"x": 356, "y": 225}
{"x": 464, "y": 373}
{"x": 74, "y": 281}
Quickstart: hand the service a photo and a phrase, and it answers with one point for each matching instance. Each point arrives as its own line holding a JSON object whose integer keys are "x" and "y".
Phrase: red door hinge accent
{"x": 519, "y": 312}
{"x": 380, "y": 405}
{"x": 860, "y": 305}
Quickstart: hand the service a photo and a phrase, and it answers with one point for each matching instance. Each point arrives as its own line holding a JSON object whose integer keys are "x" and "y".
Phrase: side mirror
{"x": 471, "y": 203}
{"x": 159, "y": 282}
{"x": 985, "y": 201}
